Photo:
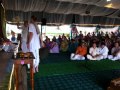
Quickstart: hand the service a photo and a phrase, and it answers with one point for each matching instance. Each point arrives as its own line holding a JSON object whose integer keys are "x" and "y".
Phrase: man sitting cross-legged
{"x": 93, "y": 52}
{"x": 115, "y": 52}
{"x": 80, "y": 53}
{"x": 103, "y": 52}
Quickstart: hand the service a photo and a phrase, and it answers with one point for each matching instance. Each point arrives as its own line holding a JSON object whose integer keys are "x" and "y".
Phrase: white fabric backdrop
{"x": 60, "y": 11}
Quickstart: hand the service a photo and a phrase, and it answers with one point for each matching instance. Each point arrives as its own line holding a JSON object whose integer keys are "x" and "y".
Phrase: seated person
{"x": 47, "y": 43}
{"x": 54, "y": 47}
{"x": 64, "y": 44}
{"x": 103, "y": 52}
{"x": 13, "y": 38}
{"x": 93, "y": 52}
{"x": 80, "y": 52}
{"x": 72, "y": 46}
{"x": 115, "y": 52}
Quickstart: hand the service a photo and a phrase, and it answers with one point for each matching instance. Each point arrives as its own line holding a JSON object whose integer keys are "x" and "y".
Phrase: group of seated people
{"x": 56, "y": 45}
{"x": 51, "y": 45}
{"x": 95, "y": 47}
{"x": 96, "y": 53}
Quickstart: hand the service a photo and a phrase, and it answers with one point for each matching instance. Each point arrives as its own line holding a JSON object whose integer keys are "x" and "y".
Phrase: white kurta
{"x": 93, "y": 52}
{"x": 111, "y": 57}
{"x": 34, "y": 44}
{"x": 77, "y": 57}
{"x": 24, "y": 38}
{"x": 104, "y": 53}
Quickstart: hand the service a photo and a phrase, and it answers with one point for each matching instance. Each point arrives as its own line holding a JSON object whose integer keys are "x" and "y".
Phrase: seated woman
{"x": 93, "y": 52}
{"x": 80, "y": 52}
{"x": 47, "y": 43}
{"x": 54, "y": 47}
{"x": 115, "y": 52}
{"x": 64, "y": 44}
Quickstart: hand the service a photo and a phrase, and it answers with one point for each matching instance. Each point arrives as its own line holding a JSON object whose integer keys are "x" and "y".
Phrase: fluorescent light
{"x": 108, "y": 0}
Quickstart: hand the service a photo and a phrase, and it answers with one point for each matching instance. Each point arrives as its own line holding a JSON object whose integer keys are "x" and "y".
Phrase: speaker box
{"x": 43, "y": 21}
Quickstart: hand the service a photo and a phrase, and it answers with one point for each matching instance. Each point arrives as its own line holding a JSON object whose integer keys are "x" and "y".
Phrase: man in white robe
{"x": 24, "y": 36}
{"x": 34, "y": 43}
{"x": 115, "y": 52}
{"x": 93, "y": 52}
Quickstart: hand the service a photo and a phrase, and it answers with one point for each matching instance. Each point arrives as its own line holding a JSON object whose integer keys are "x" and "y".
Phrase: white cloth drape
{"x": 61, "y": 11}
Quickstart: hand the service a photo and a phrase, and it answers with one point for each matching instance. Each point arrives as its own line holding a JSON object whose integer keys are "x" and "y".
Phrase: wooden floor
{"x": 4, "y": 60}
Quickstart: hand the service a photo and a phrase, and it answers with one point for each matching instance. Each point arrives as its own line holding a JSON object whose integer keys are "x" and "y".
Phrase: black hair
{"x": 117, "y": 42}
{"x": 34, "y": 18}
{"x": 103, "y": 43}
{"x": 94, "y": 43}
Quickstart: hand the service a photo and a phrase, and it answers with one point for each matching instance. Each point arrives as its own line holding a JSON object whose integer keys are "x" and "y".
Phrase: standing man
{"x": 24, "y": 36}
{"x": 34, "y": 42}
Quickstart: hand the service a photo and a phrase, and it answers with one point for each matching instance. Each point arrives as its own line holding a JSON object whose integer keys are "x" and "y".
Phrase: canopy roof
{"x": 65, "y": 11}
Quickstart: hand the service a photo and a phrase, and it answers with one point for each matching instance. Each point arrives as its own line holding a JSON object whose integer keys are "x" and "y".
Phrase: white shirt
{"x": 35, "y": 42}
{"x": 24, "y": 34}
{"x": 103, "y": 51}
{"x": 94, "y": 51}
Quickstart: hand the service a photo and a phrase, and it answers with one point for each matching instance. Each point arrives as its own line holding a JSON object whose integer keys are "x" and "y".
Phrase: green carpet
{"x": 76, "y": 67}
{"x": 58, "y": 72}
{"x": 56, "y": 58}
{"x": 77, "y": 81}
{"x": 61, "y": 68}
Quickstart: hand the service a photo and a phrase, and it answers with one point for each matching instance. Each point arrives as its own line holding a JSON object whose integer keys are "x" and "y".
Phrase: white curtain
{"x": 58, "y": 11}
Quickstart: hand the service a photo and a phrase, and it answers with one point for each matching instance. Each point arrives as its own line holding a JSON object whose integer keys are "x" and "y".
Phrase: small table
{"x": 24, "y": 60}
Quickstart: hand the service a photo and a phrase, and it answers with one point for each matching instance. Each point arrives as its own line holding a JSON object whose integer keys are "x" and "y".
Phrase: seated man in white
{"x": 93, "y": 52}
{"x": 80, "y": 53}
{"x": 103, "y": 52}
{"x": 115, "y": 52}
